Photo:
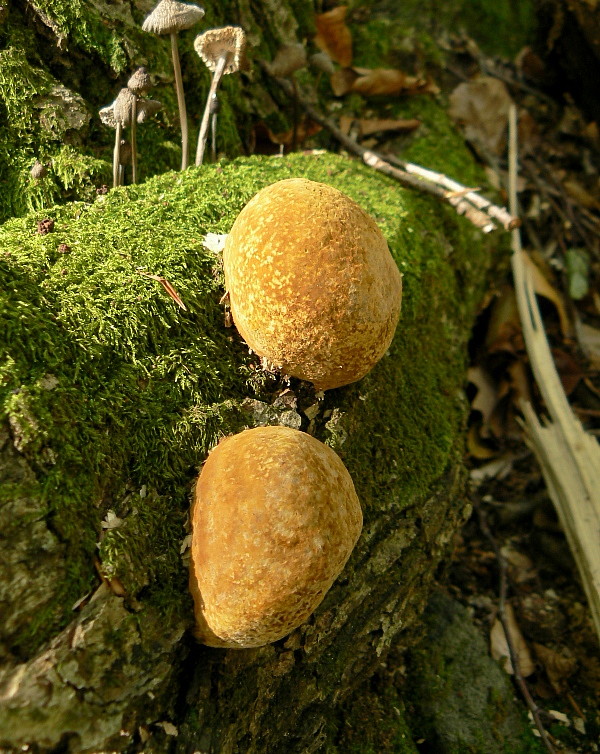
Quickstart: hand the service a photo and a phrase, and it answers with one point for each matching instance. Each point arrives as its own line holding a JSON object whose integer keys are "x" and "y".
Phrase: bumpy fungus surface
{"x": 312, "y": 283}
{"x": 274, "y": 521}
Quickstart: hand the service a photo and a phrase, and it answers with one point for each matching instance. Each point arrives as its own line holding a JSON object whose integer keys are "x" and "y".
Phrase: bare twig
{"x": 514, "y": 655}
{"x": 419, "y": 179}
{"x": 456, "y": 192}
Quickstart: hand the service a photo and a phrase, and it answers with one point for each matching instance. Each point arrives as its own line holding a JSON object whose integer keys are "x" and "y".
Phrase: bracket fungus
{"x": 313, "y": 287}
{"x": 170, "y": 17}
{"x": 274, "y": 520}
{"x": 223, "y": 52}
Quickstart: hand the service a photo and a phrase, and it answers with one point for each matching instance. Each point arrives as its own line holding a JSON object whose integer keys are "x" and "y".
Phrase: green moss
{"x": 463, "y": 701}
{"x": 500, "y": 27}
{"x": 112, "y": 384}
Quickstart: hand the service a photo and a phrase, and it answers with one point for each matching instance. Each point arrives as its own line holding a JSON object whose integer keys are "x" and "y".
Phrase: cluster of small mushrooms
{"x": 222, "y": 51}
{"x": 315, "y": 291}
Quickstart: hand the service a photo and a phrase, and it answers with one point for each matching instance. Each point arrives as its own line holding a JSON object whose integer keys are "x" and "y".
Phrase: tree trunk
{"x": 112, "y": 396}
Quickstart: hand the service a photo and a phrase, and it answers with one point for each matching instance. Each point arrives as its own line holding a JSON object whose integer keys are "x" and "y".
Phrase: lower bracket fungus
{"x": 313, "y": 286}
{"x": 274, "y": 520}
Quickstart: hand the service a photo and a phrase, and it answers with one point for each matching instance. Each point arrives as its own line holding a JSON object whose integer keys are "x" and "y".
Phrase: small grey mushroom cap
{"x": 107, "y": 115}
{"x": 38, "y": 170}
{"x": 140, "y": 81}
{"x": 122, "y": 107}
{"x": 170, "y": 16}
{"x": 322, "y": 62}
{"x": 229, "y": 41}
{"x": 146, "y": 108}
{"x": 289, "y": 58}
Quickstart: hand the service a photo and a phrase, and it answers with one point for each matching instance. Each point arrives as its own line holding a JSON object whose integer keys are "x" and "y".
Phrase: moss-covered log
{"x": 112, "y": 397}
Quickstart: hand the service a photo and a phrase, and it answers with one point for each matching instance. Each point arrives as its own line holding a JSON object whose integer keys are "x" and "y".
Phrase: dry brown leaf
{"x": 499, "y": 644}
{"x": 342, "y": 81}
{"x": 476, "y": 447}
{"x": 306, "y": 129}
{"x": 520, "y": 566}
{"x": 543, "y": 287}
{"x": 486, "y": 399}
{"x": 378, "y": 81}
{"x": 504, "y": 329}
{"x": 370, "y": 126}
{"x": 569, "y": 370}
{"x": 580, "y": 194}
{"x": 481, "y": 106}
{"x": 558, "y": 666}
{"x": 333, "y": 36}
{"x": 519, "y": 382}
{"x": 589, "y": 340}
{"x": 167, "y": 286}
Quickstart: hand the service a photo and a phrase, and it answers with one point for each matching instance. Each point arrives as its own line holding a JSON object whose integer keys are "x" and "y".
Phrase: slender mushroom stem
{"x": 133, "y": 139}
{"x": 295, "y": 113}
{"x": 214, "y": 111}
{"x": 180, "y": 101}
{"x": 214, "y": 137}
{"x": 202, "y": 136}
{"x": 117, "y": 154}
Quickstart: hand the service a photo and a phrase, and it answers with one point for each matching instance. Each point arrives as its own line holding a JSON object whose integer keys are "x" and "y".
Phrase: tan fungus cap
{"x": 312, "y": 284}
{"x": 274, "y": 520}
{"x": 214, "y": 43}
{"x": 171, "y": 16}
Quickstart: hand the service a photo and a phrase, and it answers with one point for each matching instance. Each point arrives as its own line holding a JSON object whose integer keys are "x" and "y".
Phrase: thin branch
{"x": 420, "y": 179}
{"x": 457, "y": 191}
{"x": 514, "y": 656}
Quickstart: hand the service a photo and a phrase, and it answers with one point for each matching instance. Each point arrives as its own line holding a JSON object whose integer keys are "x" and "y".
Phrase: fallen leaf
{"x": 304, "y": 130}
{"x": 504, "y": 329}
{"x": 388, "y": 81}
{"x": 333, "y": 36}
{"x": 521, "y": 567}
{"x": 342, "y": 81}
{"x": 499, "y": 644}
{"x": 578, "y": 270}
{"x": 367, "y": 126}
{"x": 580, "y": 194}
{"x": 589, "y": 340}
{"x": 167, "y": 286}
{"x": 568, "y": 369}
{"x": 499, "y": 468}
{"x": 558, "y": 666}
{"x": 543, "y": 287}
{"x": 168, "y": 728}
{"x": 475, "y": 446}
{"x": 486, "y": 398}
{"x": 481, "y": 107}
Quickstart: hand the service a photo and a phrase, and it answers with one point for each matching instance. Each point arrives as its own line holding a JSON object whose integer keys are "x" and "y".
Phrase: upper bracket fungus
{"x": 222, "y": 50}
{"x": 274, "y": 521}
{"x": 312, "y": 284}
{"x": 170, "y": 17}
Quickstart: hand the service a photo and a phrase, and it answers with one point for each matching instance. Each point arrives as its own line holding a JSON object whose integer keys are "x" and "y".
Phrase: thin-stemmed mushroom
{"x": 222, "y": 51}
{"x": 139, "y": 83}
{"x": 170, "y": 17}
{"x": 145, "y": 108}
{"x": 122, "y": 114}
